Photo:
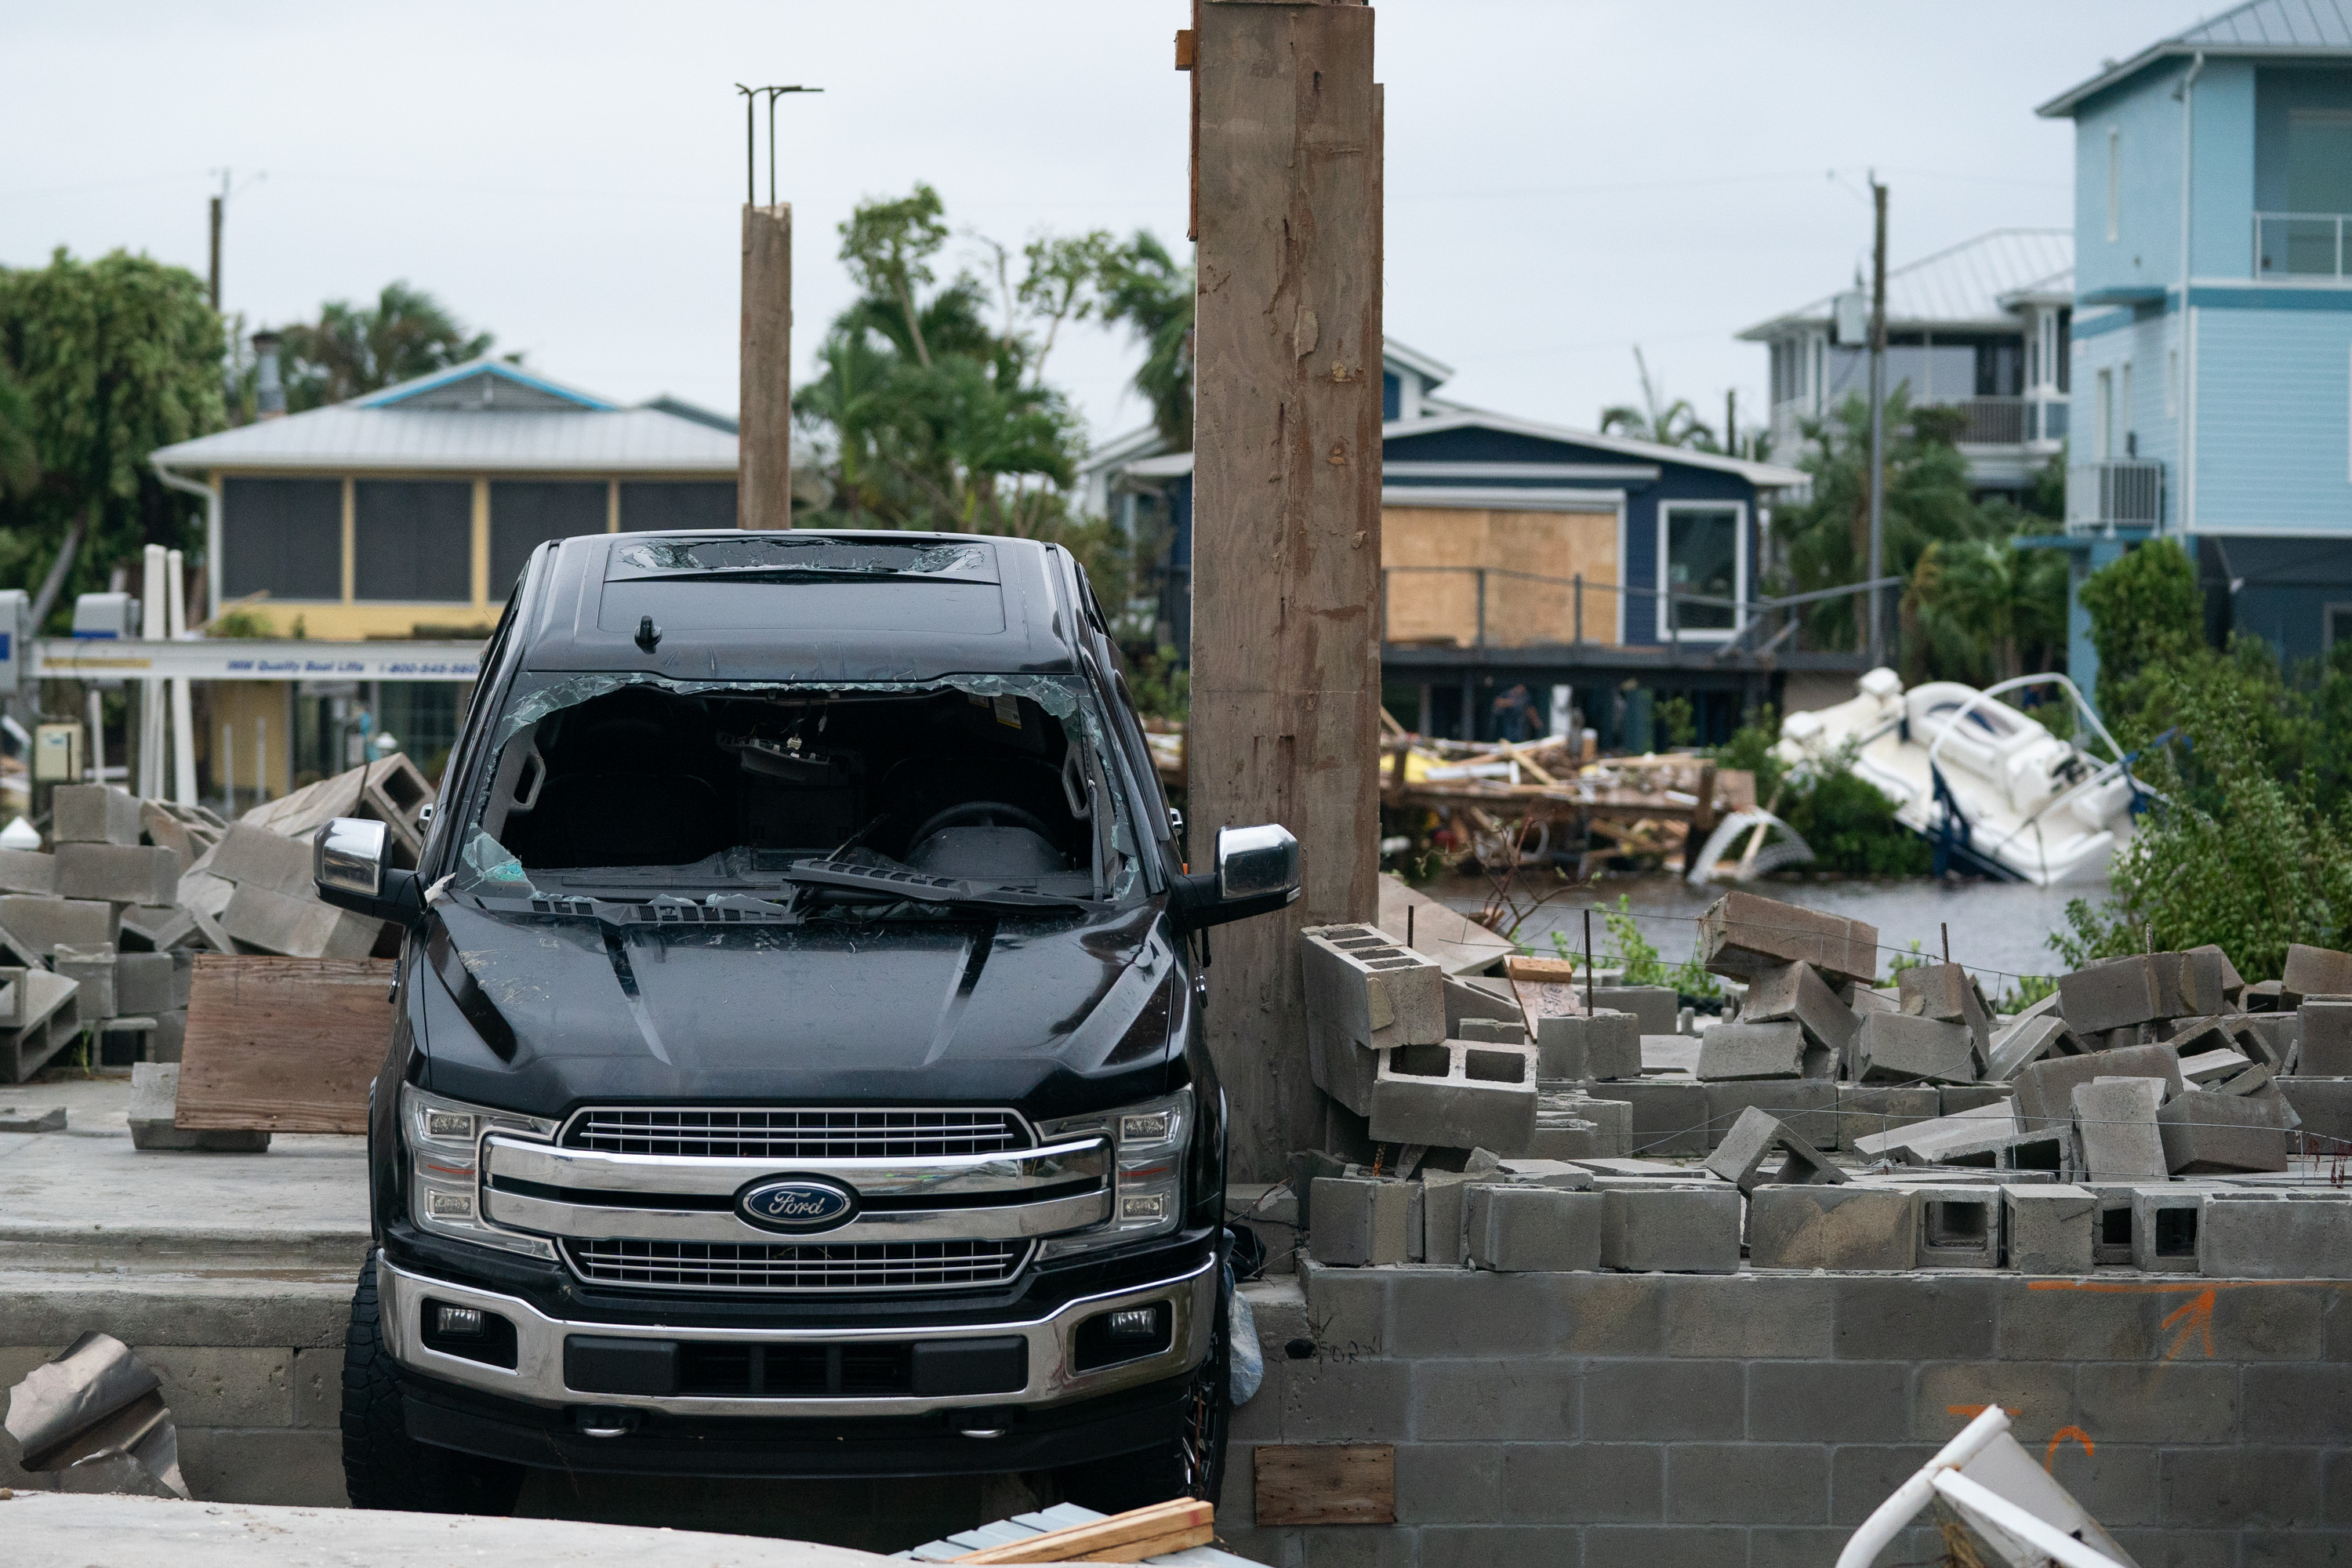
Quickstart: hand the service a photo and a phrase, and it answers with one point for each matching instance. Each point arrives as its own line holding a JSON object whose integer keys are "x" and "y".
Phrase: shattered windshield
{"x": 974, "y": 789}
{"x": 811, "y": 553}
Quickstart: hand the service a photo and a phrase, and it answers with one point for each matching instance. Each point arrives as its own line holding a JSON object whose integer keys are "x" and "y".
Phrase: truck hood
{"x": 543, "y": 1013}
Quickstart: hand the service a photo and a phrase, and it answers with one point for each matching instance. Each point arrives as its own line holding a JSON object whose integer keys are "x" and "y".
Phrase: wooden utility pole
{"x": 1285, "y": 724}
{"x": 764, "y": 462}
{"x": 212, "y": 283}
{"x": 1878, "y": 653}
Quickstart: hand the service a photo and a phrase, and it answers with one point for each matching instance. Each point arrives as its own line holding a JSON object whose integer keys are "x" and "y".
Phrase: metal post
{"x": 1674, "y": 622}
{"x": 1482, "y": 606}
{"x": 1580, "y": 608}
{"x": 1877, "y": 643}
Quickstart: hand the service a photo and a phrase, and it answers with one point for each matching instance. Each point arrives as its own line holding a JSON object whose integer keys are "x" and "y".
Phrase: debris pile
{"x": 97, "y": 932}
{"x": 2154, "y": 1112}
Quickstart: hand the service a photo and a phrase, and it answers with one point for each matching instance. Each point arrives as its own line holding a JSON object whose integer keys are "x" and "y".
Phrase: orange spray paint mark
{"x": 2050, "y": 1455}
{"x": 2195, "y": 1316}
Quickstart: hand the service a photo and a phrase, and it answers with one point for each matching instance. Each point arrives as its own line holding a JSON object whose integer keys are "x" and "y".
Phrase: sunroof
{"x": 790, "y": 554}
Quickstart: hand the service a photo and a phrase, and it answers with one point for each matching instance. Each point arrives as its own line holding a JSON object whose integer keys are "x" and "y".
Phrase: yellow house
{"x": 408, "y": 514}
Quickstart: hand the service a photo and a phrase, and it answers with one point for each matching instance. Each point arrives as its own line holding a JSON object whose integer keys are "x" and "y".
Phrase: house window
{"x": 2114, "y": 184}
{"x": 651, "y": 505}
{"x": 1702, "y": 550}
{"x": 413, "y": 541}
{"x": 526, "y": 513}
{"x": 2106, "y": 428}
{"x": 283, "y": 538}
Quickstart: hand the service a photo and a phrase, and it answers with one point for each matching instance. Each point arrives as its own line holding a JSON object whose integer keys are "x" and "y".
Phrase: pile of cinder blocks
{"x": 2152, "y": 1113}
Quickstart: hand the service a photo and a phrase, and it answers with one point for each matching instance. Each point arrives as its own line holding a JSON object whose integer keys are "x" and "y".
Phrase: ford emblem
{"x": 797, "y": 1204}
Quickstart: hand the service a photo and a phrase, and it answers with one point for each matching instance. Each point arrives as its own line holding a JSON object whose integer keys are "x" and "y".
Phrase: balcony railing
{"x": 2299, "y": 245}
{"x": 1989, "y": 421}
{"x": 2126, "y": 493}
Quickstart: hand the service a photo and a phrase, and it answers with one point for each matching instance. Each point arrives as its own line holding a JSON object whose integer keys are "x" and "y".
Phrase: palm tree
{"x": 1674, "y": 423}
{"x": 1144, "y": 287}
{"x": 353, "y": 349}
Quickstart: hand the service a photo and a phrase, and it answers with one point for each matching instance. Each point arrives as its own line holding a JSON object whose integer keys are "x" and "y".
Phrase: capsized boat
{"x": 1989, "y": 785}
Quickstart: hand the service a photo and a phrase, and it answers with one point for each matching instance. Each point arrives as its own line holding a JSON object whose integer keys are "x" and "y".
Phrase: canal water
{"x": 2001, "y": 930}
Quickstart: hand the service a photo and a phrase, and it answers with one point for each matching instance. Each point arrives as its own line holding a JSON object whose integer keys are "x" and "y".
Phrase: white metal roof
{"x": 1966, "y": 285}
{"x": 2278, "y": 29}
{"x": 350, "y": 437}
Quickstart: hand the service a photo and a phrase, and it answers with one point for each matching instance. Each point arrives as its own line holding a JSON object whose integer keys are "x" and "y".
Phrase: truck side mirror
{"x": 1256, "y": 873}
{"x": 351, "y": 866}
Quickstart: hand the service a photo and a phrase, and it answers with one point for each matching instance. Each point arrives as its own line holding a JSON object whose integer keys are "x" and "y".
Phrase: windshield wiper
{"x": 915, "y": 886}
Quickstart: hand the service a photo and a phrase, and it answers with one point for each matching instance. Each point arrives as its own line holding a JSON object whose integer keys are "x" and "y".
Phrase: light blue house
{"x": 2213, "y": 324}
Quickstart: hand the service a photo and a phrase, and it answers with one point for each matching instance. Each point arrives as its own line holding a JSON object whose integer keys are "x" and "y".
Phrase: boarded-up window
{"x": 414, "y": 541}
{"x": 1433, "y": 557}
{"x": 665, "y": 504}
{"x": 282, "y": 537}
{"x": 526, "y": 513}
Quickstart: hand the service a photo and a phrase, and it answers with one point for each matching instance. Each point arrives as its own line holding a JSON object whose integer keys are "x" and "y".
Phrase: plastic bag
{"x": 1243, "y": 1358}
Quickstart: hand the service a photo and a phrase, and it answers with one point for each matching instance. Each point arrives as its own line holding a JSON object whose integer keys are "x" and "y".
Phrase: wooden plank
{"x": 1326, "y": 1483}
{"x": 1284, "y": 725}
{"x": 1127, "y": 1537}
{"x": 1460, "y": 944}
{"x": 283, "y": 1045}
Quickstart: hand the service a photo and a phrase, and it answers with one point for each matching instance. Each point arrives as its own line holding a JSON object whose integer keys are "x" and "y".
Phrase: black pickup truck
{"x": 797, "y": 1067}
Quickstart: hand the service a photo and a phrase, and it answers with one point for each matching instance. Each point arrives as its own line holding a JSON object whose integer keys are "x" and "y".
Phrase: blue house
{"x": 2212, "y": 325}
{"x": 1597, "y": 573}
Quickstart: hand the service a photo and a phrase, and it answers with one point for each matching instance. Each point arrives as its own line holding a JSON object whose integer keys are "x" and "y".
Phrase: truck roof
{"x": 800, "y": 604}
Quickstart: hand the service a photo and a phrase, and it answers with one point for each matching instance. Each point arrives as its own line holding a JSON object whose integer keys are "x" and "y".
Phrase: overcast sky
{"x": 1565, "y": 180}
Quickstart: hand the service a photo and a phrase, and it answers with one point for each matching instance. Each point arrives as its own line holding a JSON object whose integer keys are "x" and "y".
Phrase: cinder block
{"x": 297, "y": 928}
{"x": 1359, "y": 1223}
{"x": 93, "y": 813}
{"x": 92, "y": 969}
{"x": 160, "y": 927}
{"x": 27, "y": 871}
{"x": 1806, "y": 1106}
{"x": 2314, "y": 971}
{"x": 1959, "y": 1227}
{"x": 1851, "y": 1227}
{"x": 1902, "y": 1047}
{"x": 167, "y": 1039}
{"x": 1796, "y": 993}
{"x": 2049, "y": 1229}
{"x": 2116, "y": 1128}
{"x": 2231, "y": 984}
{"x": 2274, "y": 1038}
{"x": 42, "y": 923}
{"x": 1659, "y": 1007}
{"x": 2043, "y": 1091}
{"x": 2324, "y": 1105}
{"x": 1986, "y": 1137}
{"x": 1493, "y": 1031}
{"x": 1751, "y": 1144}
{"x": 2260, "y": 997}
{"x": 1571, "y": 1125}
{"x": 255, "y": 856}
{"x": 1478, "y": 998}
{"x": 1566, "y": 1174}
{"x": 1443, "y": 1195}
{"x": 2203, "y": 1131}
{"x": 1745, "y": 933}
{"x": 1340, "y": 1067}
{"x": 2209, "y": 1069}
{"x": 154, "y": 1100}
{"x": 2166, "y": 1224}
{"x": 1756, "y": 1050}
{"x": 2028, "y": 1041}
{"x": 1523, "y": 1228}
{"x": 1605, "y": 1044}
{"x": 1671, "y": 1229}
{"x": 1865, "y": 1112}
{"x": 118, "y": 873}
{"x": 2286, "y": 1235}
{"x": 2192, "y": 983}
{"x": 143, "y": 982}
{"x": 1456, "y": 1095}
{"x": 2111, "y": 1223}
{"x": 2323, "y": 1026}
{"x": 2113, "y": 993}
{"x": 1373, "y": 988}
{"x": 1960, "y": 1098}
{"x": 1670, "y": 1116}
{"x": 1947, "y": 993}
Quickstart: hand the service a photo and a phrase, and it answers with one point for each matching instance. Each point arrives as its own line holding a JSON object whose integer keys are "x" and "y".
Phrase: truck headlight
{"x": 1148, "y": 1142}
{"x": 445, "y": 1168}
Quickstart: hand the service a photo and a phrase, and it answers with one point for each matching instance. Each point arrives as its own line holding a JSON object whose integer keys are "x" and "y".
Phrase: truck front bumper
{"x": 1069, "y": 1388}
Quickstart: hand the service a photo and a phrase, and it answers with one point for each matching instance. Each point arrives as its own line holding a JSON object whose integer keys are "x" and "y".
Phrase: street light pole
{"x": 1877, "y": 423}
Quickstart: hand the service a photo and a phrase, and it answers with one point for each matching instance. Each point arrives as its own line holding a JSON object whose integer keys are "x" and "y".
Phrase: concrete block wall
{"x": 1591, "y": 1420}
{"x": 252, "y": 1369}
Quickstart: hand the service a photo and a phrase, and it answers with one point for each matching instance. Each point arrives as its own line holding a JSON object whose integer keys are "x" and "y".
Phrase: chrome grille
{"x": 796, "y": 1135}
{"x": 854, "y": 1266}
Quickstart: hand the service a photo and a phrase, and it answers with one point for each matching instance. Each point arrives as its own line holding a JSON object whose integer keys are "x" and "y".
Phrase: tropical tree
{"x": 351, "y": 349}
{"x": 108, "y": 360}
{"x": 1145, "y": 287}
{"x": 1669, "y": 424}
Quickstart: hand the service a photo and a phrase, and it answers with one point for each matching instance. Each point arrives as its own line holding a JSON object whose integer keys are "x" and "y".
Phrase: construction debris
{"x": 96, "y": 1415}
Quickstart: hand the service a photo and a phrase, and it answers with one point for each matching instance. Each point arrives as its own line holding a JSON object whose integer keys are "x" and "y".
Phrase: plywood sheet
{"x": 1460, "y": 944}
{"x": 1326, "y": 1483}
{"x": 1443, "y": 606}
{"x": 283, "y": 1045}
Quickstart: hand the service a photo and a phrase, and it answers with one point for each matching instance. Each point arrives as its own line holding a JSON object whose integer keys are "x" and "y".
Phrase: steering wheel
{"x": 982, "y": 814}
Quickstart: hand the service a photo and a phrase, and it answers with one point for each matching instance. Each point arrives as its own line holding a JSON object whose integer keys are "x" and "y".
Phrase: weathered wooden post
{"x": 764, "y": 471}
{"x": 1284, "y": 721}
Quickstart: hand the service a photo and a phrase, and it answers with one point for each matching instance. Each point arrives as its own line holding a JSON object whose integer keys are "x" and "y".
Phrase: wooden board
{"x": 1326, "y": 1483}
{"x": 1460, "y": 944}
{"x": 1129, "y": 1537}
{"x": 283, "y": 1045}
{"x": 1443, "y": 606}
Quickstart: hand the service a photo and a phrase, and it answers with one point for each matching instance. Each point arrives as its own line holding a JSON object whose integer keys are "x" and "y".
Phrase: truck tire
{"x": 1192, "y": 1463}
{"x": 384, "y": 1466}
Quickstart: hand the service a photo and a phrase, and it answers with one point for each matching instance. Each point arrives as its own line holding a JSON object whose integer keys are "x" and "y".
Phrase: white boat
{"x": 1989, "y": 786}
